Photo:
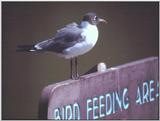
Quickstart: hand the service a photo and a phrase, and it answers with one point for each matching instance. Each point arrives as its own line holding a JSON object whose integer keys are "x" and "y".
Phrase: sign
{"x": 130, "y": 91}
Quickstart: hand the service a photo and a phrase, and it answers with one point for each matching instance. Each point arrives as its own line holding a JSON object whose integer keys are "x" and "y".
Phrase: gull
{"x": 70, "y": 41}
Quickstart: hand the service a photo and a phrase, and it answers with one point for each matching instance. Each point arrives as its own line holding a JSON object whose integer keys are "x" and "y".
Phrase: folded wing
{"x": 64, "y": 38}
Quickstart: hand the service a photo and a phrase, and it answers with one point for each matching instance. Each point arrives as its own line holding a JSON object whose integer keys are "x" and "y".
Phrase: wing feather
{"x": 64, "y": 38}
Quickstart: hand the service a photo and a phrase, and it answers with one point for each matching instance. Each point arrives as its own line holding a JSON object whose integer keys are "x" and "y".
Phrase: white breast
{"x": 90, "y": 34}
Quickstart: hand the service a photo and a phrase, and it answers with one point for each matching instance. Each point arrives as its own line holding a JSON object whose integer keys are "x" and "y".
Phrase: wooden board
{"x": 129, "y": 91}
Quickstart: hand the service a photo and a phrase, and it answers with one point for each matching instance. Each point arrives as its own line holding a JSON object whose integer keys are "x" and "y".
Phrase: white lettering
{"x": 145, "y": 92}
{"x": 108, "y": 108}
{"x": 125, "y": 104}
{"x": 157, "y": 92}
{"x": 113, "y": 102}
{"x": 88, "y": 107}
{"x": 151, "y": 90}
{"x": 138, "y": 100}
{"x": 68, "y": 112}
{"x": 119, "y": 101}
{"x": 56, "y": 114}
{"x": 76, "y": 111}
{"x": 101, "y": 105}
{"x": 95, "y": 107}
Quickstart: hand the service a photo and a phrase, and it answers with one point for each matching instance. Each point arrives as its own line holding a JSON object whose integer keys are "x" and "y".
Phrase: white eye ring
{"x": 95, "y": 17}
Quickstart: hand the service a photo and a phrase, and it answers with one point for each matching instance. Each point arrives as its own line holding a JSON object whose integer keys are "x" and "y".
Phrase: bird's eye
{"x": 95, "y": 18}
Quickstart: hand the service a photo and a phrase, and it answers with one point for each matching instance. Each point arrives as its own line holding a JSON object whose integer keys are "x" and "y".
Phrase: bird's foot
{"x": 76, "y": 77}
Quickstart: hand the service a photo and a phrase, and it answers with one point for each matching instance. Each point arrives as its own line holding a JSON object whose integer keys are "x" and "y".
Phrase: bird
{"x": 70, "y": 41}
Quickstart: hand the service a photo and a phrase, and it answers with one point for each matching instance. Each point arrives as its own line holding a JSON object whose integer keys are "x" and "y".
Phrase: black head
{"x": 93, "y": 19}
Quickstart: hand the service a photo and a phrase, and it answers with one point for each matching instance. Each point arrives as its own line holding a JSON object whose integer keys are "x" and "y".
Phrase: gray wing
{"x": 64, "y": 38}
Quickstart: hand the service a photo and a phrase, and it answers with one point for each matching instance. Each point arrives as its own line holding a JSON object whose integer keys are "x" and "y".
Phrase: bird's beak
{"x": 103, "y": 21}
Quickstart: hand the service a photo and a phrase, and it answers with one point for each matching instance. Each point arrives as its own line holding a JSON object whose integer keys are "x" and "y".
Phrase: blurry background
{"x": 131, "y": 34}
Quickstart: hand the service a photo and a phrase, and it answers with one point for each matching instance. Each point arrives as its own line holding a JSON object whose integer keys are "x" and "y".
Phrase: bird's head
{"x": 93, "y": 19}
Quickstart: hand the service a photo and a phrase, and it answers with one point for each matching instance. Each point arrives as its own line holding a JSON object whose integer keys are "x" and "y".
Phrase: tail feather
{"x": 26, "y": 48}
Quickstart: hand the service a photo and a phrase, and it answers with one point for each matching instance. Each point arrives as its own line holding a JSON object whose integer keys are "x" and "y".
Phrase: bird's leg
{"x": 76, "y": 67}
{"x": 71, "y": 67}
